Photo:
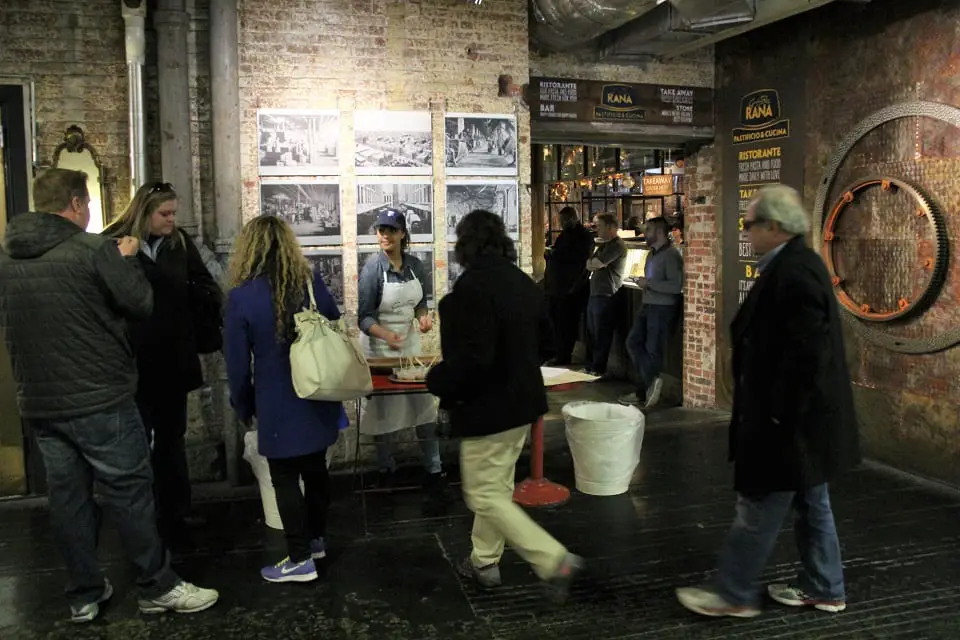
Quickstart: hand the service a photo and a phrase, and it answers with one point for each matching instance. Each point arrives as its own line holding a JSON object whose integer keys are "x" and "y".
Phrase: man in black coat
{"x": 567, "y": 284}
{"x": 793, "y": 427}
{"x": 490, "y": 384}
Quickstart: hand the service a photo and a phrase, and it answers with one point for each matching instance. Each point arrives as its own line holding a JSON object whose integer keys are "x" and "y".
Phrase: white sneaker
{"x": 183, "y": 598}
{"x": 792, "y": 596}
{"x": 708, "y": 603}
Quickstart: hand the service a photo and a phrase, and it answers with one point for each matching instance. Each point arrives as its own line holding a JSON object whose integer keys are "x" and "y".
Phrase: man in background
{"x": 606, "y": 277}
{"x": 793, "y": 428}
{"x": 567, "y": 285}
{"x": 657, "y": 319}
{"x": 65, "y": 296}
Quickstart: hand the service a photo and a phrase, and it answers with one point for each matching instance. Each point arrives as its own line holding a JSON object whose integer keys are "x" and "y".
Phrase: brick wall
{"x": 701, "y": 257}
{"x": 907, "y": 404}
{"x": 432, "y": 55}
{"x": 74, "y": 54}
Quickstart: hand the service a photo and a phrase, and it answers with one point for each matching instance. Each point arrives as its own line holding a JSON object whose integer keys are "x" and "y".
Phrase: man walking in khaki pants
{"x": 490, "y": 383}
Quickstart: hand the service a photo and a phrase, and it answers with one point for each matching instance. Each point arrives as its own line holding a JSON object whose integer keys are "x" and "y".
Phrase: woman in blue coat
{"x": 269, "y": 285}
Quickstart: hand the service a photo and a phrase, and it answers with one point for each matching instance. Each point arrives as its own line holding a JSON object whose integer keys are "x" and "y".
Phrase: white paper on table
{"x": 553, "y": 376}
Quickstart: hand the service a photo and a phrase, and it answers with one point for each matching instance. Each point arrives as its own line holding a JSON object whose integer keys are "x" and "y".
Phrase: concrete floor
{"x": 900, "y": 543}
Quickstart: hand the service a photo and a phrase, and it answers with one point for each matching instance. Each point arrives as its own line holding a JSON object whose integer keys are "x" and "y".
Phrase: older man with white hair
{"x": 793, "y": 427}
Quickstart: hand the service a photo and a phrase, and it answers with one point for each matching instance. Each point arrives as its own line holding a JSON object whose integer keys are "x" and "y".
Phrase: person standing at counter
{"x": 392, "y": 313}
{"x": 662, "y": 287}
{"x": 606, "y": 276}
{"x": 567, "y": 284}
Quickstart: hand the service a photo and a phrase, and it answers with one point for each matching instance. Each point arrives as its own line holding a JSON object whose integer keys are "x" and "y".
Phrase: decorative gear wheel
{"x": 937, "y": 111}
{"x": 908, "y": 303}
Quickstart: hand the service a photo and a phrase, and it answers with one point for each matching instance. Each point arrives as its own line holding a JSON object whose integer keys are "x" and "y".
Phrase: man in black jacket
{"x": 490, "y": 384}
{"x": 64, "y": 298}
{"x": 567, "y": 285}
{"x": 793, "y": 427}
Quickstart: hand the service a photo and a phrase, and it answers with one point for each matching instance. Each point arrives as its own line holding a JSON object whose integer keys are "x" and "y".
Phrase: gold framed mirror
{"x": 76, "y": 154}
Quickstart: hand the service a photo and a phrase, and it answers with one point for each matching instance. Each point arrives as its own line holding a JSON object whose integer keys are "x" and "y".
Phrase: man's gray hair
{"x": 782, "y": 204}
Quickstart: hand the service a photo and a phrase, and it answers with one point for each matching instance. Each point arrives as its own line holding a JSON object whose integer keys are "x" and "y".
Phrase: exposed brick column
{"x": 701, "y": 259}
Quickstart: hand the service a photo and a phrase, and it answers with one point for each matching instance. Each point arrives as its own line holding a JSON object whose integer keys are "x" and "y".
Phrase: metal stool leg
{"x": 537, "y": 491}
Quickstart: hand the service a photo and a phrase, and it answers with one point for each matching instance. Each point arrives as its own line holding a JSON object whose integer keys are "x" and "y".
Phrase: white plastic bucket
{"x": 605, "y": 441}
{"x": 261, "y": 470}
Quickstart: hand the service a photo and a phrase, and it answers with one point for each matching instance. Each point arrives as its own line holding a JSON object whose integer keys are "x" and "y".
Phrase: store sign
{"x": 762, "y": 145}
{"x": 658, "y": 185}
{"x": 593, "y": 101}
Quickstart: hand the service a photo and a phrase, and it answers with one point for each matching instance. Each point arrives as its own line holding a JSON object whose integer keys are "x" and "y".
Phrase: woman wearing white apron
{"x": 392, "y": 313}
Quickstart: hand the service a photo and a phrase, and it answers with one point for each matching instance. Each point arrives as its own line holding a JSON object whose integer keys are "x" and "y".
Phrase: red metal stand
{"x": 537, "y": 491}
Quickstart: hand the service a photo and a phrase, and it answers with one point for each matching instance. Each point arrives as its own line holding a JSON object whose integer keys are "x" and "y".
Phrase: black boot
{"x": 439, "y": 496}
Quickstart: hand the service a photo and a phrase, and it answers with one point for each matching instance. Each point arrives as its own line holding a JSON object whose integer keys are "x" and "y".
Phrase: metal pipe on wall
{"x": 134, "y": 14}
{"x": 225, "y": 101}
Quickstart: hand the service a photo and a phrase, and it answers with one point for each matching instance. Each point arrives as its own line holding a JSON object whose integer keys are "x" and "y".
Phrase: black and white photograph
{"x": 425, "y": 254}
{"x": 298, "y": 142}
{"x": 312, "y": 208}
{"x": 495, "y": 196}
{"x": 413, "y": 199}
{"x": 329, "y": 264}
{"x": 480, "y": 144}
{"x": 398, "y": 143}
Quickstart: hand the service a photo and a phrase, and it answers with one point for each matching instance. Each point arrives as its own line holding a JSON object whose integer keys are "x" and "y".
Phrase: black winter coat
{"x": 64, "y": 298}
{"x": 567, "y": 262}
{"x": 489, "y": 380}
{"x": 166, "y": 344}
{"x": 793, "y": 424}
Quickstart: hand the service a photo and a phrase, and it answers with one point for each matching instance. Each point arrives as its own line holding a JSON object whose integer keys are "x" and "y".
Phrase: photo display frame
{"x": 480, "y": 144}
{"x": 398, "y": 143}
{"x": 298, "y": 142}
{"x": 412, "y": 198}
{"x": 310, "y": 206}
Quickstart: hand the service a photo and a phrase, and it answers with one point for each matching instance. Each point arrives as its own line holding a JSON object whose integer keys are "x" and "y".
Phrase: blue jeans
{"x": 601, "y": 323}
{"x": 110, "y": 448}
{"x": 648, "y": 338}
{"x": 429, "y": 449}
{"x": 754, "y": 533}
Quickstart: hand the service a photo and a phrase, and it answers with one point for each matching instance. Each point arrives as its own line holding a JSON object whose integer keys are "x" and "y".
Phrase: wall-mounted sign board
{"x": 562, "y": 99}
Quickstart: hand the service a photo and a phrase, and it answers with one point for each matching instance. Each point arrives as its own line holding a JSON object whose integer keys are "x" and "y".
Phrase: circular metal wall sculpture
{"x": 943, "y": 113}
{"x": 908, "y": 302}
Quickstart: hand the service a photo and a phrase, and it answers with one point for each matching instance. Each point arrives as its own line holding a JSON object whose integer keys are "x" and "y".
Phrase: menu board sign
{"x": 763, "y": 145}
{"x": 595, "y": 101}
{"x": 659, "y": 185}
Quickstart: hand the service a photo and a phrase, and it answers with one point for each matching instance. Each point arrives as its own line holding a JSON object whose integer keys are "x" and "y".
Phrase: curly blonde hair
{"x": 135, "y": 220}
{"x": 268, "y": 248}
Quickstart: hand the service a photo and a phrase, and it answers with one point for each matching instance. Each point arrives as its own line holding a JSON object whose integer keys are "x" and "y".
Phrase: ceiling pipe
{"x": 563, "y": 25}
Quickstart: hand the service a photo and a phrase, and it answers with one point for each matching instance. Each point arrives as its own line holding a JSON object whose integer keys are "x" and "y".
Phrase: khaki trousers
{"x": 487, "y": 468}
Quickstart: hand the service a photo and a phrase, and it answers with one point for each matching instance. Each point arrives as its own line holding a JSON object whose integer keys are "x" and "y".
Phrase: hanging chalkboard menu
{"x": 594, "y": 101}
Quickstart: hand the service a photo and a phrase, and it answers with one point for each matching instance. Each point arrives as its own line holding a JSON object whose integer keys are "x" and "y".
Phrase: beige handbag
{"x": 325, "y": 361}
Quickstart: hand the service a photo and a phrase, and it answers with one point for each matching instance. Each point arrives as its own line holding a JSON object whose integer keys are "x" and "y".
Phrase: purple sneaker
{"x": 318, "y": 548}
{"x": 287, "y": 571}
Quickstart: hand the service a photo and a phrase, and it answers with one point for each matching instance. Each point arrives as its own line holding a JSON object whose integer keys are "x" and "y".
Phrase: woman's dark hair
{"x": 482, "y": 234}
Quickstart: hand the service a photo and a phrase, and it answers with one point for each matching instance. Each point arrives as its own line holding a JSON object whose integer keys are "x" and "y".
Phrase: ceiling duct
{"x": 562, "y": 25}
{"x": 677, "y": 27}
{"x": 707, "y": 14}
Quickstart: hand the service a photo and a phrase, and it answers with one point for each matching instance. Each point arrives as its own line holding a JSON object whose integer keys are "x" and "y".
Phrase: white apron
{"x": 386, "y": 414}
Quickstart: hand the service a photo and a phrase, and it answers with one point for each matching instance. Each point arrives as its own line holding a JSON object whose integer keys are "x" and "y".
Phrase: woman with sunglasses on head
{"x": 166, "y": 346}
{"x": 269, "y": 277}
{"x": 392, "y": 313}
